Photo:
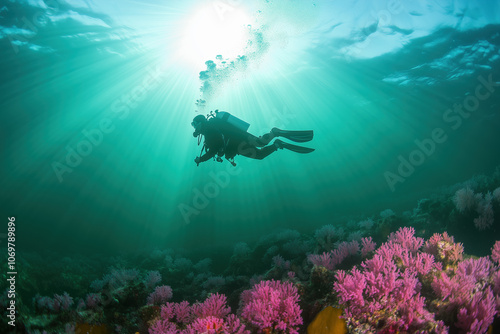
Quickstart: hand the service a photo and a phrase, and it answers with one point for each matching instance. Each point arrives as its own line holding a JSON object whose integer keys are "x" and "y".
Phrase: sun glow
{"x": 212, "y": 31}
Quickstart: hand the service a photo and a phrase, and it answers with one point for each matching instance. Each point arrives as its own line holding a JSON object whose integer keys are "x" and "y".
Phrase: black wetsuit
{"x": 223, "y": 138}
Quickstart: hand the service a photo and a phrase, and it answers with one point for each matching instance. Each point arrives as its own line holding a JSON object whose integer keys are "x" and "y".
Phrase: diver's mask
{"x": 197, "y": 124}
{"x": 197, "y": 127}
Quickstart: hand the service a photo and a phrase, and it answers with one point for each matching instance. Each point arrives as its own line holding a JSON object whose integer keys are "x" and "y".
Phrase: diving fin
{"x": 296, "y": 136}
{"x": 295, "y": 148}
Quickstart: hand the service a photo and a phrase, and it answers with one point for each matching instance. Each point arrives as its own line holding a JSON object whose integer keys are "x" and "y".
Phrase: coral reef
{"x": 386, "y": 273}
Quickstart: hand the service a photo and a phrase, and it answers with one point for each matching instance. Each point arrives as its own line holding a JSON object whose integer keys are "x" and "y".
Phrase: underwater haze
{"x": 97, "y": 100}
{"x": 370, "y": 78}
{"x": 105, "y": 208}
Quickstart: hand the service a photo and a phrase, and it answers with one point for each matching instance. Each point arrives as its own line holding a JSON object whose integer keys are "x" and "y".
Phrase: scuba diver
{"x": 226, "y": 135}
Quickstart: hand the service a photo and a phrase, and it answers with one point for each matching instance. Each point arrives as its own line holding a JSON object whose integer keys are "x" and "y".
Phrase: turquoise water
{"x": 369, "y": 79}
{"x": 97, "y": 98}
{"x": 368, "y": 88}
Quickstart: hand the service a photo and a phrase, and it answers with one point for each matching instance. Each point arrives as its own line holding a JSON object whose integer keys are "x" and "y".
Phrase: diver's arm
{"x": 213, "y": 141}
{"x": 210, "y": 154}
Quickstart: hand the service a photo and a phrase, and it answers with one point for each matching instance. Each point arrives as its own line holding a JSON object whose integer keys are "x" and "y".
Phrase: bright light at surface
{"x": 214, "y": 30}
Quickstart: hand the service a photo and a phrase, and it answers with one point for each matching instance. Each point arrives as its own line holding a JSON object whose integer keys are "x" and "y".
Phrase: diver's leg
{"x": 250, "y": 151}
{"x": 265, "y": 151}
{"x": 264, "y": 139}
{"x": 296, "y": 136}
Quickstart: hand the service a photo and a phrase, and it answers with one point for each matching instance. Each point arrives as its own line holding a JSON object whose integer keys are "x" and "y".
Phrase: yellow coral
{"x": 328, "y": 321}
{"x": 92, "y": 329}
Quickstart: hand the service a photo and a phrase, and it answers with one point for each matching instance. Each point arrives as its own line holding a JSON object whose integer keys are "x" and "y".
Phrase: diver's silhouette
{"x": 226, "y": 135}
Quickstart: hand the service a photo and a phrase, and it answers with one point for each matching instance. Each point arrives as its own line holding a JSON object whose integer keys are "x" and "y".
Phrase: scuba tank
{"x": 227, "y": 117}
{"x": 233, "y": 120}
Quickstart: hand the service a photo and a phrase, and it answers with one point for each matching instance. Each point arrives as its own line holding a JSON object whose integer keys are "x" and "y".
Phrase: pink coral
{"x": 333, "y": 258}
{"x": 323, "y": 260}
{"x": 478, "y": 314}
{"x": 279, "y": 262}
{"x": 495, "y": 252}
{"x": 496, "y": 283}
{"x": 210, "y": 316}
{"x": 215, "y": 305}
{"x": 93, "y": 300}
{"x": 478, "y": 269}
{"x": 163, "y": 327}
{"x": 444, "y": 248}
{"x": 209, "y": 325}
{"x": 182, "y": 311}
{"x": 464, "y": 199}
{"x": 176, "y": 312}
{"x": 466, "y": 291}
{"x": 485, "y": 210}
{"x": 496, "y": 194}
{"x": 235, "y": 326}
{"x": 368, "y": 246}
{"x": 327, "y": 235}
{"x": 272, "y": 305}
{"x": 381, "y": 293}
{"x": 422, "y": 263}
{"x": 386, "y": 290}
{"x": 344, "y": 250}
{"x": 62, "y": 302}
{"x": 152, "y": 278}
{"x": 405, "y": 237}
{"x": 59, "y": 303}
{"x": 161, "y": 295}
